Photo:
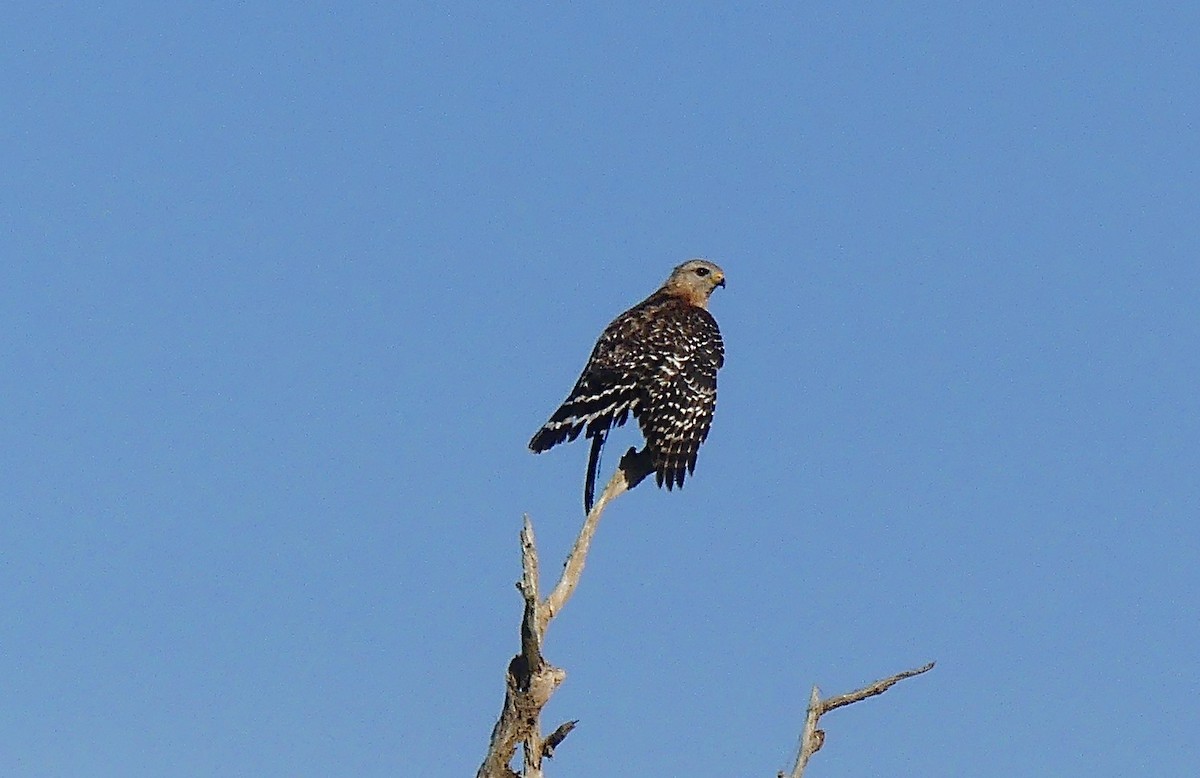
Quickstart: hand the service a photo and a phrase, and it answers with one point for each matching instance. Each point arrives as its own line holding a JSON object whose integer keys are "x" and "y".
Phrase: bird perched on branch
{"x": 658, "y": 361}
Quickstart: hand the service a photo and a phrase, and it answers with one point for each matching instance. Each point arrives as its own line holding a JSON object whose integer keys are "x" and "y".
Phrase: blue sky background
{"x": 285, "y": 291}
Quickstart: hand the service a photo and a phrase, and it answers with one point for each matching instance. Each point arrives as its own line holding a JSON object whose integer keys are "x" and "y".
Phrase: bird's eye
{"x": 702, "y": 271}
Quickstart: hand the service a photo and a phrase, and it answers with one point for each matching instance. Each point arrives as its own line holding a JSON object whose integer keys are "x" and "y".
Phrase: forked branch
{"x": 531, "y": 680}
{"x": 812, "y": 738}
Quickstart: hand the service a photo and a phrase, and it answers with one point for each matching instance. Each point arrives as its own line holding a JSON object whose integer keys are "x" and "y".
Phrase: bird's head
{"x": 695, "y": 280}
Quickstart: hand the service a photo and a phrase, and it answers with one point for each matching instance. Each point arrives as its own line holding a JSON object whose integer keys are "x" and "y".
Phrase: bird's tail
{"x": 589, "y": 483}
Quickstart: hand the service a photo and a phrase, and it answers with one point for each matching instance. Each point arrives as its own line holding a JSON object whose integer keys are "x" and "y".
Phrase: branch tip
{"x": 556, "y": 737}
{"x": 812, "y": 738}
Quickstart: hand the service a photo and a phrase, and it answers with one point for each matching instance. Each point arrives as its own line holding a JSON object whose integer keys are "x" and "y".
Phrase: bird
{"x": 657, "y": 361}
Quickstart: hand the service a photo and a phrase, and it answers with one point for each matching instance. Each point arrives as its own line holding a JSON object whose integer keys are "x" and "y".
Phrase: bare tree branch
{"x": 634, "y": 467}
{"x": 558, "y": 736}
{"x": 877, "y": 688}
{"x": 531, "y": 680}
{"x": 811, "y": 739}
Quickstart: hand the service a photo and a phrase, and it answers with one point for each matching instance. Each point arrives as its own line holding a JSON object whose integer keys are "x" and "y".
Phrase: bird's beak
{"x": 720, "y": 282}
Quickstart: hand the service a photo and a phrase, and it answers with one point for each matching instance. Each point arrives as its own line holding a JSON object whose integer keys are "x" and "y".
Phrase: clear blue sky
{"x": 285, "y": 291}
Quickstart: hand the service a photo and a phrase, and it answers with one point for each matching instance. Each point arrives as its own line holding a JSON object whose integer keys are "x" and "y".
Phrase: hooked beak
{"x": 720, "y": 282}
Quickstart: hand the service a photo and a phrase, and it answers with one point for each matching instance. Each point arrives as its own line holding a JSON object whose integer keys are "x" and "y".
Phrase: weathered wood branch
{"x": 531, "y": 680}
{"x": 634, "y": 467}
{"x": 812, "y": 738}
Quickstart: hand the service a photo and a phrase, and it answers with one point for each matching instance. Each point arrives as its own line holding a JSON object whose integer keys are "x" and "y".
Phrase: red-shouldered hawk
{"x": 658, "y": 361}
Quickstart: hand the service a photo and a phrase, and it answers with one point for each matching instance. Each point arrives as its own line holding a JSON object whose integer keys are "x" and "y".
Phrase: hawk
{"x": 658, "y": 361}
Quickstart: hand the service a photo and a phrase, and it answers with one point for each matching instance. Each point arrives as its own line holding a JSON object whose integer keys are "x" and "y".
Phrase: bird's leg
{"x": 636, "y": 465}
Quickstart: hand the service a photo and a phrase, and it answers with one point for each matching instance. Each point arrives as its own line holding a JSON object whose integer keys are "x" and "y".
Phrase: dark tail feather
{"x": 589, "y": 483}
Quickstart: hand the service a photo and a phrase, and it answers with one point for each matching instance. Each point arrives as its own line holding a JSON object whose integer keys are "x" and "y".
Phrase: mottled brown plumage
{"x": 658, "y": 361}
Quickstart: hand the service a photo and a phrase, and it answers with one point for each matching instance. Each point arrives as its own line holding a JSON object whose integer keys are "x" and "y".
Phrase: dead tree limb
{"x": 811, "y": 739}
{"x": 531, "y": 680}
{"x": 634, "y": 467}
